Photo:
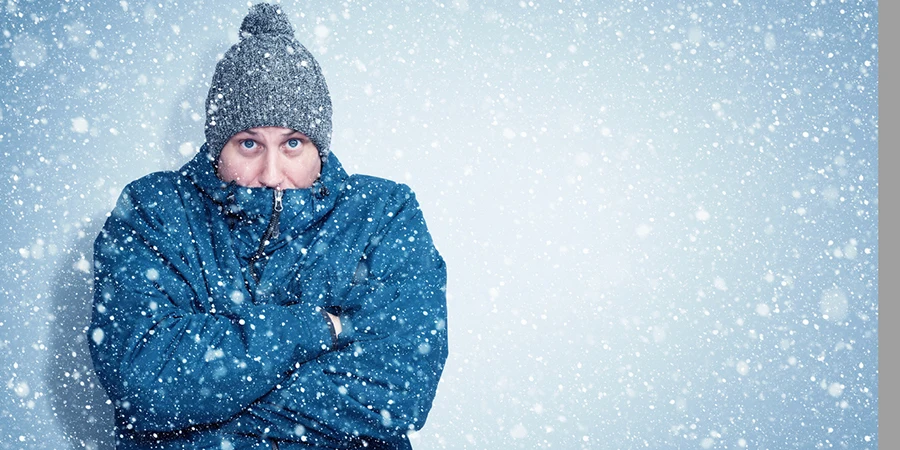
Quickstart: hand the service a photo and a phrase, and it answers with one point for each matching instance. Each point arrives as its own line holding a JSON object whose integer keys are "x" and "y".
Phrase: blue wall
{"x": 659, "y": 219}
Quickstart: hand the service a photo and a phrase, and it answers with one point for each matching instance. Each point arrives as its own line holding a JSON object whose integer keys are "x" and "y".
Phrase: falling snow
{"x": 659, "y": 220}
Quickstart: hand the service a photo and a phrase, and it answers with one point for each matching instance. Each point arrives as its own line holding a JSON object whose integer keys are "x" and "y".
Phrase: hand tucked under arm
{"x": 380, "y": 386}
{"x": 335, "y": 323}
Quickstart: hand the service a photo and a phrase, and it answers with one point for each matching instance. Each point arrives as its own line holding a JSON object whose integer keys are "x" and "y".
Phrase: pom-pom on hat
{"x": 268, "y": 79}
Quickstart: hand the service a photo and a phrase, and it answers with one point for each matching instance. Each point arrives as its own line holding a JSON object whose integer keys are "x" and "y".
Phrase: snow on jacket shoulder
{"x": 197, "y": 349}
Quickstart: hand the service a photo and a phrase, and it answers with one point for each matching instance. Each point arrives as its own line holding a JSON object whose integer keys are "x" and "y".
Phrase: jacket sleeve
{"x": 381, "y": 385}
{"x": 166, "y": 361}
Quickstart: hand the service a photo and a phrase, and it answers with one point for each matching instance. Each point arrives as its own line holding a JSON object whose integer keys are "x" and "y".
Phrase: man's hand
{"x": 336, "y": 322}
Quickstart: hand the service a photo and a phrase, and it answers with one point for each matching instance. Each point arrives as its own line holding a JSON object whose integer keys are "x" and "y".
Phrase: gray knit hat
{"x": 268, "y": 79}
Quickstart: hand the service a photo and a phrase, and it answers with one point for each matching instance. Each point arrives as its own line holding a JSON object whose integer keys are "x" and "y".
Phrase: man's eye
{"x": 248, "y": 144}
{"x": 294, "y": 143}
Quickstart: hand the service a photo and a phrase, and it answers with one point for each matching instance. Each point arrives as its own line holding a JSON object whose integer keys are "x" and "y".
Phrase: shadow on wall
{"x": 78, "y": 400}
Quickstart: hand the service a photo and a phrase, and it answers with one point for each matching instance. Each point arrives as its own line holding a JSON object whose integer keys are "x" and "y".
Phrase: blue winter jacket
{"x": 209, "y": 326}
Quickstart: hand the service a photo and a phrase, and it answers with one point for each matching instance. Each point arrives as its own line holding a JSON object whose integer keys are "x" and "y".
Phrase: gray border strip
{"x": 887, "y": 220}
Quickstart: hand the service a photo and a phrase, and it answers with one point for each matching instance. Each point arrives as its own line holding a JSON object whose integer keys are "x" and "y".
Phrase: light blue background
{"x": 659, "y": 218}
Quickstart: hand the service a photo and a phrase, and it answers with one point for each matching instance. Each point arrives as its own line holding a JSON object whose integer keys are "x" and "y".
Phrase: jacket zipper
{"x": 270, "y": 234}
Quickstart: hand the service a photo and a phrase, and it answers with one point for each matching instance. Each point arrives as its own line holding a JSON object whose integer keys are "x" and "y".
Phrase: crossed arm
{"x": 267, "y": 369}
{"x": 380, "y": 386}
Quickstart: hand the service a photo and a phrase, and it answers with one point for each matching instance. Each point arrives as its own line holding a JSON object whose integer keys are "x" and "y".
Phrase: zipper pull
{"x": 278, "y": 194}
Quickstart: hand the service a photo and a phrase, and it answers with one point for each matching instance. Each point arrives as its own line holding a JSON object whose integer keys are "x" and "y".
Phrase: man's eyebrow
{"x": 290, "y": 132}
{"x": 249, "y": 131}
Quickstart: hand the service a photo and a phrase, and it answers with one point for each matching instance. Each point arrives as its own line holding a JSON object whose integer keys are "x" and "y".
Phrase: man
{"x": 261, "y": 297}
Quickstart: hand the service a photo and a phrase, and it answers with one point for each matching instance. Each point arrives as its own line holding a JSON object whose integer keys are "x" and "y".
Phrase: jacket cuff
{"x": 317, "y": 329}
{"x": 348, "y": 331}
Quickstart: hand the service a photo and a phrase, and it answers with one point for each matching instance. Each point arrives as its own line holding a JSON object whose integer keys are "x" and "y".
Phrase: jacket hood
{"x": 254, "y": 205}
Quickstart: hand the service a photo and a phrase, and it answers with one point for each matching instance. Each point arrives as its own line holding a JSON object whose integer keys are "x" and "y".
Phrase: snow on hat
{"x": 268, "y": 79}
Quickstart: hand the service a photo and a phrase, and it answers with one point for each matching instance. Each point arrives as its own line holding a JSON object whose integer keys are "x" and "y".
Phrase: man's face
{"x": 274, "y": 157}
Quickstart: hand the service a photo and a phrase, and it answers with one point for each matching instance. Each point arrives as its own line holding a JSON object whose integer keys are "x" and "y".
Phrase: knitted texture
{"x": 268, "y": 79}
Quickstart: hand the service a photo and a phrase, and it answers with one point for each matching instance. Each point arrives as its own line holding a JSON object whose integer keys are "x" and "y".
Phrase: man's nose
{"x": 272, "y": 174}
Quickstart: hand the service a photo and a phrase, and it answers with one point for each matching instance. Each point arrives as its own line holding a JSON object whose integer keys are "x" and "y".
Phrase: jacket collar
{"x": 302, "y": 207}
